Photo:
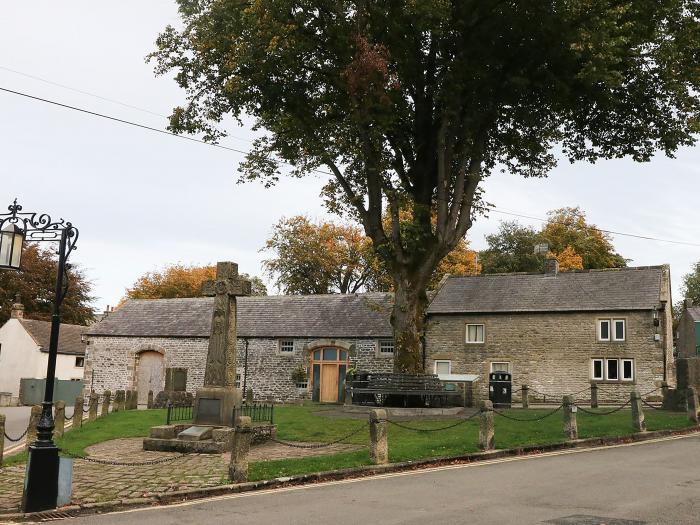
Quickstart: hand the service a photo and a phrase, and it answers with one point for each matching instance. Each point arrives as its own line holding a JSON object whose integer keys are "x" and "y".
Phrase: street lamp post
{"x": 16, "y": 228}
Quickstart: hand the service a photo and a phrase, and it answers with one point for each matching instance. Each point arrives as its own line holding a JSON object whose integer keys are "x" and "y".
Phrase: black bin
{"x": 500, "y": 389}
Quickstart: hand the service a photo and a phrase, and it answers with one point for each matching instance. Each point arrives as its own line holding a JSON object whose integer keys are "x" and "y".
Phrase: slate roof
{"x": 694, "y": 313}
{"x": 584, "y": 290}
{"x": 316, "y": 316}
{"x": 69, "y": 338}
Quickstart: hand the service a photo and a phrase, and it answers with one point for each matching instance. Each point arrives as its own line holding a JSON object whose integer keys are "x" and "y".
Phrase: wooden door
{"x": 329, "y": 383}
{"x": 150, "y": 375}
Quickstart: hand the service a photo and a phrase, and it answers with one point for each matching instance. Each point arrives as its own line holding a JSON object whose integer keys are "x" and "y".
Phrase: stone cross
{"x": 221, "y": 355}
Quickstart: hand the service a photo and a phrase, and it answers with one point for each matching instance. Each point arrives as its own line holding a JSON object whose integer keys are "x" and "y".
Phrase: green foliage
{"x": 415, "y": 103}
{"x": 691, "y": 284}
{"x": 35, "y": 284}
{"x": 566, "y": 232}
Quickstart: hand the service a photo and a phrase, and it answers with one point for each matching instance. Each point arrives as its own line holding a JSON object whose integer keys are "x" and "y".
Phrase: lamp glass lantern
{"x": 11, "y": 241}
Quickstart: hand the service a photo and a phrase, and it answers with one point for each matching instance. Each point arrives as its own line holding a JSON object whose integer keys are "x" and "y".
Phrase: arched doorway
{"x": 150, "y": 374}
{"x": 328, "y": 368}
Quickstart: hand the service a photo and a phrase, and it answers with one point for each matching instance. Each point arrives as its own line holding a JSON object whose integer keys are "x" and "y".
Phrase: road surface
{"x": 653, "y": 482}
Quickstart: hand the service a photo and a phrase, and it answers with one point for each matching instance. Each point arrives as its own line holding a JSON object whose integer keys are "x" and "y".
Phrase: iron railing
{"x": 178, "y": 413}
{"x": 258, "y": 412}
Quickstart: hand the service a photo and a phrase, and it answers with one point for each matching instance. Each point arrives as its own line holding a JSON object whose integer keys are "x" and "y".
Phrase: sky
{"x": 142, "y": 200}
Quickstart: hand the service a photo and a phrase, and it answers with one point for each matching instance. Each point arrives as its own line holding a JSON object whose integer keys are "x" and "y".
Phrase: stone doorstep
{"x": 207, "y": 446}
{"x": 357, "y": 472}
{"x": 195, "y": 433}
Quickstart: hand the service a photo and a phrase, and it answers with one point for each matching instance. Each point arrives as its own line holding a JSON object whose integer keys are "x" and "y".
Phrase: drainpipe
{"x": 245, "y": 368}
{"x": 422, "y": 344}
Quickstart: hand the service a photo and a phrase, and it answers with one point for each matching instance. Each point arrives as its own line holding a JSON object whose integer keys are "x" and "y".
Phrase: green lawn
{"x": 308, "y": 424}
{"x": 130, "y": 423}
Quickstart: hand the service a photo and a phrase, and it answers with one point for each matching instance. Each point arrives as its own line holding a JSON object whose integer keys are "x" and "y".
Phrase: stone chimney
{"x": 17, "y": 309}
{"x": 687, "y": 303}
{"x": 551, "y": 267}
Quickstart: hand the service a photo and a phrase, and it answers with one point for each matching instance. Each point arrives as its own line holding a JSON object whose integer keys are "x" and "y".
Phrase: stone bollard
{"x": 526, "y": 396}
{"x": 486, "y": 432}
{"x": 594, "y": 395}
{"x": 570, "y": 426}
{"x": 106, "y": 399}
{"x": 122, "y": 399}
{"x": 78, "y": 412}
{"x": 238, "y": 467}
{"x": 94, "y": 401}
{"x": 59, "y": 418}
{"x": 378, "y": 444}
{"x": 692, "y": 398}
{"x": 2, "y": 436}
{"x": 115, "y": 407}
{"x": 637, "y": 411}
{"x": 149, "y": 403}
{"x": 34, "y": 417}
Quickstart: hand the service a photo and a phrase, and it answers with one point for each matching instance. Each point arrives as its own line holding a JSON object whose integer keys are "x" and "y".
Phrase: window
{"x": 500, "y": 367}
{"x": 443, "y": 367}
{"x": 238, "y": 381}
{"x": 386, "y": 348}
{"x": 597, "y": 369}
{"x": 619, "y": 330}
{"x": 611, "y": 330}
{"x": 611, "y": 370}
{"x": 287, "y": 346}
{"x": 79, "y": 362}
{"x": 475, "y": 333}
{"x": 628, "y": 369}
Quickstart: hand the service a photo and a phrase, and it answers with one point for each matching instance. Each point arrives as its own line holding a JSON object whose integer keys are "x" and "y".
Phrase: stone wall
{"x": 552, "y": 352}
{"x": 111, "y": 362}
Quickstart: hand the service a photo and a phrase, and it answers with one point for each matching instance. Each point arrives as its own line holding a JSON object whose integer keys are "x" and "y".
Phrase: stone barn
{"x": 289, "y": 347}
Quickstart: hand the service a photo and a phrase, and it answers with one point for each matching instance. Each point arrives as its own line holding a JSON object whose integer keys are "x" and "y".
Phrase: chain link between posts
{"x": 13, "y": 440}
{"x": 448, "y": 427}
{"x": 124, "y": 464}
{"x": 540, "y": 418}
{"x": 320, "y": 445}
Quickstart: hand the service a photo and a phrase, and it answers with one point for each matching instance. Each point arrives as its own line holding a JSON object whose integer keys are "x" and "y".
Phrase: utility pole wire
{"x": 243, "y": 152}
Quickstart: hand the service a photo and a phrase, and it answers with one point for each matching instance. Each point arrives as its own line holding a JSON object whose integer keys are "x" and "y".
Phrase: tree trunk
{"x": 407, "y": 320}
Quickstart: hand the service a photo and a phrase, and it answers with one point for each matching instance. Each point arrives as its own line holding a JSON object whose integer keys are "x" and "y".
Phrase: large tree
{"x": 319, "y": 257}
{"x": 419, "y": 101}
{"x": 35, "y": 284}
{"x": 568, "y": 237}
{"x": 179, "y": 280}
{"x": 690, "y": 288}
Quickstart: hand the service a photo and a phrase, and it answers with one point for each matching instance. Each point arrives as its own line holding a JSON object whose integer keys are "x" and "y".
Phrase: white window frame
{"x": 600, "y": 329}
{"x": 282, "y": 345}
{"x": 607, "y": 369}
{"x": 613, "y": 331}
{"x": 483, "y": 334}
{"x": 440, "y": 361}
{"x": 602, "y": 369}
{"x": 385, "y": 342}
{"x": 622, "y": 370}
{"x": 509, "y": 371}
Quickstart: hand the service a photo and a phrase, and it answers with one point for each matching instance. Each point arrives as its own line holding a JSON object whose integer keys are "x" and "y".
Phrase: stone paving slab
{"x": 95, "y": 482}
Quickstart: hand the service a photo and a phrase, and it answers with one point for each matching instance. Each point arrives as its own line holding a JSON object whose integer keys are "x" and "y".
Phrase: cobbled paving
{"x": 93, "y": 482}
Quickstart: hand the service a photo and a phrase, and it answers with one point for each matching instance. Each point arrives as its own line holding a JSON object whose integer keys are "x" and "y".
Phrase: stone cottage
{"x": 556, "y": 331}
{"x": 688, "y": 344}
{"x": 289, "y": 347}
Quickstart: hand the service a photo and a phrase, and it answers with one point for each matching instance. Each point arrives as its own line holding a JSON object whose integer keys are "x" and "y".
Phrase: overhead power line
{"x": 612, "y": 232}
{"x": 243, "y": 152}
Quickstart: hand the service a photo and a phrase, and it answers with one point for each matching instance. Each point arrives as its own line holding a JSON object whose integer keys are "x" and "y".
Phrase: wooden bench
{"x": 378, "y": 388}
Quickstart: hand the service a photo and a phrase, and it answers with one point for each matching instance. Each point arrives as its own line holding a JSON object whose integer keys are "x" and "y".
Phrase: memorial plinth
{"x": 215, "y": 402}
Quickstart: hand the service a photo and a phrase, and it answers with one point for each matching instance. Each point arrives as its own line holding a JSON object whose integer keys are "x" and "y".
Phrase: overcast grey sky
{"x": 142, "y": 200}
